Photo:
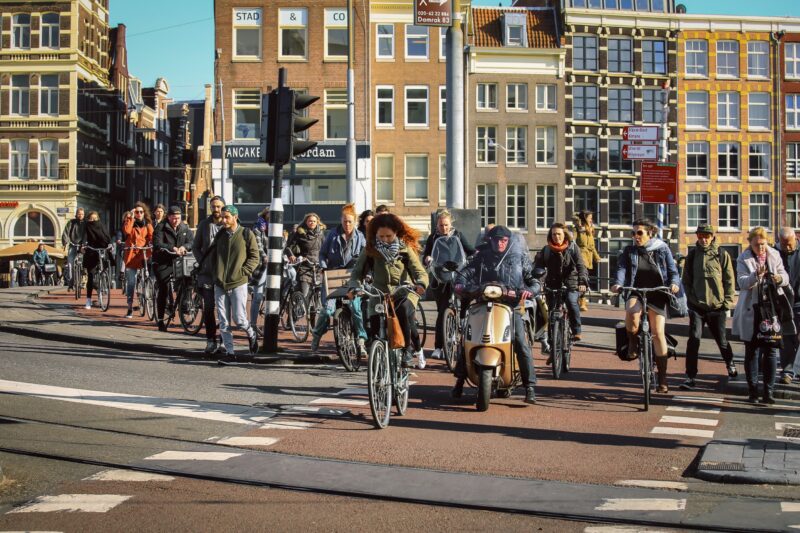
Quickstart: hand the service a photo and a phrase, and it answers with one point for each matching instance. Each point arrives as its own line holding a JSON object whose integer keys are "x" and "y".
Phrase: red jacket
{"x": 140, "y": 237}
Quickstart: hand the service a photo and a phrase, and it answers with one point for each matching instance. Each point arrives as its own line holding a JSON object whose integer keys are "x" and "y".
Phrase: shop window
{"x": 34, "y": 225}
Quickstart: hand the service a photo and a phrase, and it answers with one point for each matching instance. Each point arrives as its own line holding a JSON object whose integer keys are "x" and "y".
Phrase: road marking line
{"x": 84, "y": 503}
{"x": 353, "y": 392}
{"x": 620, "y": 529}
{"x": 287, "y": 424}
{"x": 686, "y": 432}
{"x": 688, "y": 420}
{"x": 642, "y": 504}
{"x": 790, "y": 439}
{"x": 192, "y": 456}
{"x": 790, "y": 507}
{"x": 127, "y": 475}
{"x": 698, "y": 399}
{"x": 789, "y": 417}
{"x": 339, "y": 401}
{"x": 248, "y": 441}
{"x": 146, "y": 404}
{"x": 780, "y": 426}
{"x": 691, "y": 409}
{"x": 306, "y": 409}
{"x": 653, "y": 484}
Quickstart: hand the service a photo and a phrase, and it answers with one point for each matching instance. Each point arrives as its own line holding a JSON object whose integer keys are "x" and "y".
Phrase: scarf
{"x": 138, "y": 223}
{"x": 762, "y": 259}
{"x": 559, "y": 248}
{"x": 388, "y": 251}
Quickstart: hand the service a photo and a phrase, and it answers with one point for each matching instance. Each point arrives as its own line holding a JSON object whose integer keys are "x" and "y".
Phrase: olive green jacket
{"x": 235, "y": 258}
{"x": 584, "y": 238}
{"x": 388, "y": 276}
{"x": 709, "y": 278}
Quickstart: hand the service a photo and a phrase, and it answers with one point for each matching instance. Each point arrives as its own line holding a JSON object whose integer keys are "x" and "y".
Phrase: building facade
{"x": 788, "y": 108}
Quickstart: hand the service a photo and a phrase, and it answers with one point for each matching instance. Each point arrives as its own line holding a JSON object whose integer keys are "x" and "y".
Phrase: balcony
{"x": 36, "y": 185}
{"x": 38, "y": 54}
{"x": 36, "y": 122}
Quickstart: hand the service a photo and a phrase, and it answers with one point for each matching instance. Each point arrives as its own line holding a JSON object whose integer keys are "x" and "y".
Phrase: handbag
{"x": 394, "y": 332}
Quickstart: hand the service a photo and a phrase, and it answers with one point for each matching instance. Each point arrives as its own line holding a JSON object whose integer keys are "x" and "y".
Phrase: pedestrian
{"x": 40, "y": 259}
{"x": 171, "y": 239}
{"x": 95, "y": 236}
{"x": 203, "y": 247}
{"x": 760, "y": 273}
{"x": 138, "y": 231}
{"x": 791, "y": 262}
{"x": 709, "y": 282}
{"x": 258, "y": 281}
{"x": 71, "y": 240}
{"x": 306, "y": 242}
{"x": 159, "y": 215}
{"x": 583, "y": 227}
{"x": 235, "y": 259}
{"x": 364, "y": 219}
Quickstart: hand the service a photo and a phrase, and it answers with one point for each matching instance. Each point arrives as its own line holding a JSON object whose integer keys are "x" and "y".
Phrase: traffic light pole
{"x": 454, "y": 168}
{"x": 351, "y": 113}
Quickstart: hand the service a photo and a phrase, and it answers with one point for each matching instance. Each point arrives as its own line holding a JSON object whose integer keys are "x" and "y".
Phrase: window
{"x": 654, "y": 57}
{"x": 545, "y": 206}
{"x": 293, "y": 33}
{"x": 385, "y": 104}
{"x": 417, "y": 178}
{"x": 442, "y": 179}
{"x": 759, "y": 160}
{"x": 758, "y": 111}
{"x": 546, "y": 98}
{"x": 728, "y": 160}
{"x": 487, "y": 96}
{"x": 758, "y": 59}
{"x": 51, "y": 30}
{"x": 336, "y": 44}
{"x": 584, "y": 102}
{"x": 48, "y": 158}
{"x": 516, "y": 198}
{"x": 729, "y": 210}
{"x": 247, "y": 33}
{"x": 793, "y": 210}
{"x": 620, "y": 105}
{"x": 416, "y": 106}
{"x": 728, "y": 110}
{"x": 792, "y": 111}
{"x": 546, "y": 145}
{"x": 696, "y": 209}
{"x": 515, "y": 35}
{"x": 697, "y": 160}
{"x": 21, "y": 31}
{"x": 19, "y": 159}
{"x": 728, "y": 59}
{"x": 443, "y": 44}
{"x": 486, "y": 144}
{"x": 616, "y": 163}
{"x": 588, "y": 199}
{"x": 697, "y": 58}
{"x": 385, "y": 46}
{"x": 514, "y": 26}
{"x": 620, "y": 55}
{"x": 584, "y": 53}
{"x": 584, "y": 154}
{"x": 336, "y": 120}
{"x": 792, "y": 60}
{"x": 20, "y": 95}
{"x": 620, "y": 206}
{"x": 416, "y": 42}
{"x": 517, "y": 96}
{"x": 34, "y": 225}
{"x": 652, "y": 103}
{"x": 48, "y": 94}
{"x": 487, "y": 203}
{"x": 517, "y": 145}
{"x": 246, "y": 113}
{"x": 442, "y": 106}
{"x": 793, "y": 160}
{"x": 384, "y": 178}
{"x": 697, "y": 109}
{"x": 760, "y": 210}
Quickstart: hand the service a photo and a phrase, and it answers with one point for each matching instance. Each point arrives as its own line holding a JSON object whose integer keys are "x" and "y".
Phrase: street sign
{"x": 641, "y": 152}
{"x": 640, "y": 133}
{"x": 659, "y": 183}
{"x": 432, "y": 13}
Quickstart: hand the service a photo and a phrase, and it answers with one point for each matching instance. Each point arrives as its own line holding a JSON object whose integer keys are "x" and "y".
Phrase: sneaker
{"x": 786, "y": 379}
{"x": 458, "y": 390}
{"x": 129, "y": 314}
{"x": 576, "y": 337}
{"x": 421, "y": 363}
{"x": 88, "y": 304}
{"x": 530, "y": 396}
{"x": 732, "y": 372}
{"x": 253, "y": 341}
{"x": 362, "y": 347}
{"x": 545, "y": 348}
{"x": 689, "y": 384}
{"x": 315, "y": 343}
{"x": 211, "y": 346}
{"x": 437, "y": 354}
{"x": 768, "y": 399}
{"x": 227, "y": 359}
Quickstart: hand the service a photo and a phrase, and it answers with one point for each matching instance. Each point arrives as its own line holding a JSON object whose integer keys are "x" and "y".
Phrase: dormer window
{"x": 514, "y": 33}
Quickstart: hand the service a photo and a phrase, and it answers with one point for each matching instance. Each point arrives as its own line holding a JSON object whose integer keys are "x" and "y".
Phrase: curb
{"x": 727, "y": 461}
{"x": 781, "y": 391}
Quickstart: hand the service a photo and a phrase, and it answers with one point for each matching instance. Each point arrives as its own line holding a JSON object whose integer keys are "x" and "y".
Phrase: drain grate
{"x": 793, "y": 433}
{"x": 729, "y": 467}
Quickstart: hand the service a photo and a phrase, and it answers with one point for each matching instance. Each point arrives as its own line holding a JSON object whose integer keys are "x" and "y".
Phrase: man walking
{"x": 791, "y": 261}
{"x": 171, "y": 239}
{"x": 235, "y": 259}
{"x": 708, "y": 278}
{"x": 71, "y": 239}
{"x": 203, "y": 248}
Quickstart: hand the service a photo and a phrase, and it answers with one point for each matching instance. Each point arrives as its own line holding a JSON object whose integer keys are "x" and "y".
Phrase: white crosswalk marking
{"x": 688, "y": 420}
{"x": 248, "y": 441}
{"x": 127, "y": 475}
{"x": 652, "y": 484}
{"x": 642, "y": 504}
{"x": 790, "y": 507}
{"x": 84, "y": 503}
{"x": 685, "y": 432}
{"x": 307, "y": 409}
{"x": 192, "y": 456}
{"x": 692, "y": 409}
{"x": 698, "y": 399}
{"x": 287, "y": 424}
{"x": 338, "y": 401}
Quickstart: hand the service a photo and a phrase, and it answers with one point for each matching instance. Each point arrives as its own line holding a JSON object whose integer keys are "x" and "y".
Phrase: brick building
{"x": 788, "y": 108}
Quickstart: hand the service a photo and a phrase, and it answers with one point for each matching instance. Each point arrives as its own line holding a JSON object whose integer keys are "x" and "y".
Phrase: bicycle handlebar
{"x": 646, "y": 290}
{"x": 98, "y": 250}
{"x": 138, "y": 248}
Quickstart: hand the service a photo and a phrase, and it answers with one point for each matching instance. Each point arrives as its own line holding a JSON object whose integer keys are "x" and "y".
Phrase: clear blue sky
{"x": 174, "y": 39}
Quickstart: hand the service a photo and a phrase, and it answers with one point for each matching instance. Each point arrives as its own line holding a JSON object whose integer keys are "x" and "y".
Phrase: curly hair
{"x": 404, "y": 232}
{"x": 148, "y": 217}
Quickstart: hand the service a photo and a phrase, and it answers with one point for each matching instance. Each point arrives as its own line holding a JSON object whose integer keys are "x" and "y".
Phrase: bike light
{"x": 492, "y": 292}
{"x": 380, "y": 308}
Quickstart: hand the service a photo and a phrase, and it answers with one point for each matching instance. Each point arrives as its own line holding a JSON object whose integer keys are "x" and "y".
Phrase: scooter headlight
{"x": 380, "y": 308}
{"x": 492, "y": 292}
{"x": 507, "y": 334}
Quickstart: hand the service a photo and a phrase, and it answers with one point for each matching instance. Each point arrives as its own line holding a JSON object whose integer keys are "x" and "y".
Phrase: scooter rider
{"x": 505, "y": 263}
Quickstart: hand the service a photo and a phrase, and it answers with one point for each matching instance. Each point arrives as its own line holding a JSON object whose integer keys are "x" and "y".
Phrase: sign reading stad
{"x": 659, "y": 184}
{"x": 432, "y": 13}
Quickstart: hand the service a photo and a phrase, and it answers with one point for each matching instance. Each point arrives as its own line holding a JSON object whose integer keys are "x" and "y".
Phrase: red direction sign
{"x": 640, "y": 133}
{"x": 640, "y": 152}
{"x": 659, "y": 183}
{"x": 432, "y": 13}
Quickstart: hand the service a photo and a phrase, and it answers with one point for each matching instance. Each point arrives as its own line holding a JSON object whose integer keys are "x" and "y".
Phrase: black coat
{"x": 96, "y": 235}
{"x": 306, "y": 243}
{"x": 167, "y": 238}
{"x": 565, "y": 268}
{"x": 200, "y": 246}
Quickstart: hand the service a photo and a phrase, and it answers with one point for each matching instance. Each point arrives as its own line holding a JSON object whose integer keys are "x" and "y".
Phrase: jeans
{"x": 232, "y": 305}
{"x": 258, "y": 296}
{"x": 790, "y": 365}
{"x": 71, "y": 254}
{"x": 130, "y": 283}
{"x": 716, "y": 324}
{"x": 573, "y": 310}
{"x": 209, "y": 312}
{"x": 329, "y": 307}
{"x": 767, "y": 358}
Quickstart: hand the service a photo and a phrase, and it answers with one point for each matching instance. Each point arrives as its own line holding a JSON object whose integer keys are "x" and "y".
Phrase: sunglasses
{"x": 638, "y": 233}
{"x": 140, "y": 211}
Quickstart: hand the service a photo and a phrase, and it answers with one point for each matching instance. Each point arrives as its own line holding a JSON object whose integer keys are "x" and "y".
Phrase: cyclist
{"x": 40, "y": 259}
{"x": 306, "y": 242}
{"x": 138, "y": 232}
{"x": 392, "y": 256}
{"x": 72, "y": 237}
{"x": 341, "y": 249}
{"x": 159, "y": 215}
{"x": 645, "y": 264}
{"x": 565, "y": 268}
{"x": 174, "y": 236}
{"x": 201, "y": 247}
{"x": 443, "y": 291}
{"x": 96, "y": 236}
{"x": 364, "y": 219}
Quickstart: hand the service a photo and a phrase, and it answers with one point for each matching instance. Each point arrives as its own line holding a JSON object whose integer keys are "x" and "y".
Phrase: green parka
{"x": 709, "y": 278}
{"x": 388, "y": 276}
{"x": 236, "y": 257}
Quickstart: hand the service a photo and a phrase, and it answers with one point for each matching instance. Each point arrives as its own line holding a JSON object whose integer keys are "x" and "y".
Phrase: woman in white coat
{"x": 754, "y": 319}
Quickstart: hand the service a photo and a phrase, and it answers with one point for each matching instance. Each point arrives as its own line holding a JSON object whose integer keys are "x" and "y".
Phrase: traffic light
{"x": 280, "y": 121}
{"x": 268, "y": 128}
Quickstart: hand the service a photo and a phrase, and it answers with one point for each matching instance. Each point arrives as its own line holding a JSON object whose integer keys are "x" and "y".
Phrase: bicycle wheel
{"x": 298, "y": 317}
{"x": 314, "y": 305}
{"x": 401, "y": 385}
{"x": 567, "y": 354}
{"x": 422, "y": 323}
{"x": 345, "y": 340}
{"x": 150, "y": 298}
{"x": 379, "y": 384}
{"x": 103, "y": 290}
{"x": 451, "y": 338}
{"x": 646, "y": 367}
{"x": 171, "y": 307}
{"x": 140, "y": 295}
{"x": 191, "y": 311}
{"x": 78, "y": 280}
{"x": 557, "y": 347}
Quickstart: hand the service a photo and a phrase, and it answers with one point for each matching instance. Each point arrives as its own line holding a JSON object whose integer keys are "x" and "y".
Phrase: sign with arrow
{"x": 640, "y": 133}
{"x": 641, "y": 152}
{"x": 432, "y": 13}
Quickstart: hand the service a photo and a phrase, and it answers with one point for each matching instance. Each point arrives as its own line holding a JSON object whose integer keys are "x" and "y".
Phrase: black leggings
{"x": 89, "y": 284}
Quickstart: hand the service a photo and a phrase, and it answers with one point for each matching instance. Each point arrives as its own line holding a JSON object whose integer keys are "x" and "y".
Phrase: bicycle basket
{"x": 183, "y": 266}
{"x": 50, "y": 268}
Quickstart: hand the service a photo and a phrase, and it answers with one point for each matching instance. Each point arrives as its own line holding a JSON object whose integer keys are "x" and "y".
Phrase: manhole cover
{"x": 793, "y": 433}
{"x": 713, "y": 465}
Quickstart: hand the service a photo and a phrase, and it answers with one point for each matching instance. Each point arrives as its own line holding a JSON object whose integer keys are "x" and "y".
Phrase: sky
{"x": 178, "y": 44}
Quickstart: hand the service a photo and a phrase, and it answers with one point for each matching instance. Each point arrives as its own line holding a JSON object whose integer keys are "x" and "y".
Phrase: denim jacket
{"x": 628, "y": 262}
{"x": 331, "y": 255}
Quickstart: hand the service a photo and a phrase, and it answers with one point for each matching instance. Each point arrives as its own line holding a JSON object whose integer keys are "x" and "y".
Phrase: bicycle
{"x": 143, "y": 286}
{"x": 302, "y": 311}
{"x": 559, "y": 331}
{"x": 646, "y": 362}
{"x": 183, "y": 297}
{"x": 344, "y": 331}
{"x": 101, "y": 277}
{"x": 75, "y": 270}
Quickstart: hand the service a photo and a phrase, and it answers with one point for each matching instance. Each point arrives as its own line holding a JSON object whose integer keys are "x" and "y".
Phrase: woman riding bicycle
{"x": 138, "y": 232}
{"x": 646, "y": 264}
{"x": 306, "y": 242}
{"x": 391, "y": 256}
{"x": 96, "y": 237}
{"x": 565, "y": 268}
{"x": 443, "y": 291}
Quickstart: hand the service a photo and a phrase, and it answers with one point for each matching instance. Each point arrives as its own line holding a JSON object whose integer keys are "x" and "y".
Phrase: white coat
{"x": 744, "y": 315}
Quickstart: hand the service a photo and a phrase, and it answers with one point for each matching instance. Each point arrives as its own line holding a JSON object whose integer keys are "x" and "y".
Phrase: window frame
{"x": 379, "y": 178}
{"x": 442, "y": 179}
{"x": 252, "y": 106}
{"x": 334, "y": 100}
{"x": 426, "y": 57}
{"x": 489, "y": 192}
{"x": 620, "y": 52}
{"x": 689, "y": 106}
{"x": 52, "y": 30}
{"x": 334, "y": 26}
{"x": 513, "y": 203}
{"x": 52, "y": 154}
{"x": 695, "y": 53}
{"x": 543, "y": 143}
{"x": 380, "y": 37}
{"x": 485, "y": 91}
{"x": 235, "y": 27}
{"x": 792, "y": 60}
{"x": 407, "y": 178}
{"x": 626, "y": 217}
{"x": 793, "y": 211}
{"x": 22, "y": 95}
{"x": 584, "y": 99}
{"x": 545, "y": 205}
{"x": 49, "y": 96}
{"x": 407, "y": 101}
{"x": 654, "y": 108}
{"x": 621, "y": 104}
{"x": 521, "y": 104}
{"x": 625, "y": 167}
{"x": 730, "y": 103}
{"x": 792, "y": 111}
{"x": 728, "y": 156}
{"x": 378, "y": 104}
{"x": 282, "y": 26}
{"x": 516, "y": 156}
{"x": 701, "y": 204}
{"x": 729, "y": 214}
{"x": 20, "y": 31}
{"x": 765, "y": 206}
{"x": 584, "y": 139}
{"x": 764, "y": 156}
{"x": 706, "y": 153}
{"x": 544, "y": 102}
{"x": 759, "y": 56}
{"x": 486, "y": 155}
{"x": 584, "y": 40}
{"x": 442, "y": 107}
{"x": 653, "y": 60}
{"x": 792, "y": 164}
{"x": 19, "y": 159}
{"x": 760, "y": 106}
{"x": 729, "y": 55}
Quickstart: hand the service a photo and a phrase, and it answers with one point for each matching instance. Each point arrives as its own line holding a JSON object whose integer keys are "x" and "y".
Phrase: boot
{"x": 584, "y": 303}
{"x": 530, "y": 395}
{"x": 633, "y": 346}
{"x": 753, "y": 396}
{"x": 768, "y": 398}
{"x": 458, "y": 390}
{"x": 661, "y": 365}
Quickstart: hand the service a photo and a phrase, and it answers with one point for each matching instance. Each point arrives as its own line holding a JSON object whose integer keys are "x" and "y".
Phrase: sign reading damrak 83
{"x": 432, "y": 13}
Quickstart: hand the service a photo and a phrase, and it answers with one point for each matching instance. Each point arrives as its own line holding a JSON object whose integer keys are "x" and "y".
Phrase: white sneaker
{"x": 88, "y": 304}
{"x": 437, "y": 354}
{"x": 420, "y": 359}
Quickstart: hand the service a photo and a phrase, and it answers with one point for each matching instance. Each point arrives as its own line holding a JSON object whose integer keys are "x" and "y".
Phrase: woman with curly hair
{"x": 392, "y": 255}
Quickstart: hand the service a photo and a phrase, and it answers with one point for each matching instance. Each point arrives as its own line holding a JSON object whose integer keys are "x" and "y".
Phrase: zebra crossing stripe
{"x": 790, "y": 507}
{"x": 688, "y": 420}
{"x": 339, "y": 401}
{"x": 83, "y": 503}
{"x": 127, "y": 475}
{"x": 652, "y": 484}
{"x": 248, "y": 441}
{"x": 684, "y": 432}
{"x": 698, "y": 399}
{"x": 642, "y": 504}
{"x": 693, "y": 409}
{"x": 191, "y": 456}
{"x": 287, "y": 424}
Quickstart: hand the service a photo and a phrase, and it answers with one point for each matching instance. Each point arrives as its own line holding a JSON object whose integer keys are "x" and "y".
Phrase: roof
{"x": 488, "y": 31}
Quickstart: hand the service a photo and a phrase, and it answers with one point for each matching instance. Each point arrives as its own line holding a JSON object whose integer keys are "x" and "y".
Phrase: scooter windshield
{"x": 447, "y": 248}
